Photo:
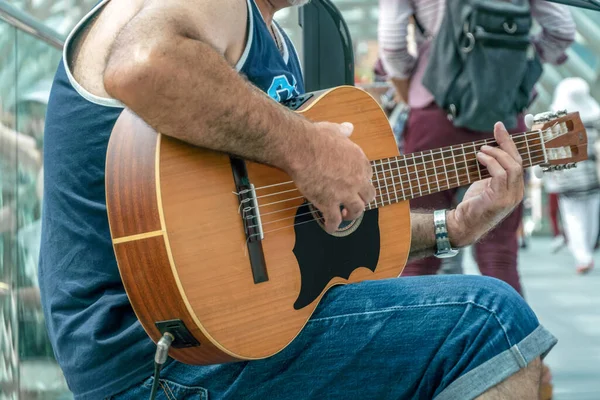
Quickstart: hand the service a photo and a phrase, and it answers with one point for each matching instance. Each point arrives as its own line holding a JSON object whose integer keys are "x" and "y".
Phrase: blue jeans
{"x": 442, "y": 337}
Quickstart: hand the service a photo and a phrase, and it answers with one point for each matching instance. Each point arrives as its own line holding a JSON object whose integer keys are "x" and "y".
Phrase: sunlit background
{"x": 567, "y": 304}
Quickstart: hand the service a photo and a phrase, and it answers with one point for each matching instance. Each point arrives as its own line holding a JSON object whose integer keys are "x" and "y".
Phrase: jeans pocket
{"x": 170, "y": 390}
{"x": 167, "y": 390}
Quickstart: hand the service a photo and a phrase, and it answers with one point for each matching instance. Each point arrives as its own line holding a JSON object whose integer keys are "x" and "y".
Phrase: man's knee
{"x": 497, "y": 297}
{"x": 513, "y": 313}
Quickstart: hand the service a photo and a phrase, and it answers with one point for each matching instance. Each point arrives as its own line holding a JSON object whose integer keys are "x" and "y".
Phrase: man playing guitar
{"x": 199, "y": 71}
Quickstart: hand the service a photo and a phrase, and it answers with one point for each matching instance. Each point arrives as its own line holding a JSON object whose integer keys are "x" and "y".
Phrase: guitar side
{"x": 181, "y": 246}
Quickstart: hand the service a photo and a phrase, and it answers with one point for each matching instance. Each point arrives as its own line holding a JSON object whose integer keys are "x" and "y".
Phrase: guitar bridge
{"x": 250, "y": 214}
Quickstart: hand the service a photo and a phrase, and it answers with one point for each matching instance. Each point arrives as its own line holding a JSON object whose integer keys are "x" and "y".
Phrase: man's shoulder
{"x": 92, "y": 41}
{"x": 92, "y": 38}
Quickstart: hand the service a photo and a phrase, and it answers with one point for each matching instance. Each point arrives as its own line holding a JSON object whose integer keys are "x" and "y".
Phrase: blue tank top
{"x": 97, "y": 339}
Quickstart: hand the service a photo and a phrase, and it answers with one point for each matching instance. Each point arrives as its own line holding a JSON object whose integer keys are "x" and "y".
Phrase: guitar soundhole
{"x": 346, "y": 227}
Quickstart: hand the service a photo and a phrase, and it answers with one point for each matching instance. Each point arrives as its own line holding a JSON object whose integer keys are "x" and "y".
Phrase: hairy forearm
{"x": 422, "y": 235}
{"x": 187, "y": 90}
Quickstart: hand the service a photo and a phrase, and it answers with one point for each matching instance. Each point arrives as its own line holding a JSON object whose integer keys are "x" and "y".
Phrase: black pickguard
{"x": 322, "y": 257}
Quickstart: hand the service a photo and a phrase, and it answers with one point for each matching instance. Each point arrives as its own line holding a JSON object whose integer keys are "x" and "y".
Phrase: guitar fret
{"x": 378, "y": 184}
{"x": 417, "y": 175}
{"x": 543, "y": 147}
{"x": 437, "y": 182}
{"x": 400, "y": 178}
{"x": 412, "y": 195}
{"x": 455, "y": 166}
{"x": 382, "y": 195}
{"x": 385, "y": 179}
{"x": 393, "y": 180}
{"x": 445, "y": 170}
{"x": 426, "y": 173}
{"x": 466, "y": 163}
{"x": 477, "y": 162}
{"x": 528, "y": 152}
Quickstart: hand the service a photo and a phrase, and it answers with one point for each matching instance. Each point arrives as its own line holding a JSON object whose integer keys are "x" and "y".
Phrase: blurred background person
{"x": 428, "y": 125}
{"x": 579, "y": 188}
{"x": 551, "y": 188}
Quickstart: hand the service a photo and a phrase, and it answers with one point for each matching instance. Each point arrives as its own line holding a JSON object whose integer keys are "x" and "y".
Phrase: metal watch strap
{"x": 444, "y": 248}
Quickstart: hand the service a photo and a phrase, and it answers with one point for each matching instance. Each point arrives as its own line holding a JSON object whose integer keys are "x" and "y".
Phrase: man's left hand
{"x": 489, "y": 201}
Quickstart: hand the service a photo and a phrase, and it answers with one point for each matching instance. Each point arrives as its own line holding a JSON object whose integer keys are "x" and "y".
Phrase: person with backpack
{"x": 477, "y": 63}
{"x": 579, "y": 188}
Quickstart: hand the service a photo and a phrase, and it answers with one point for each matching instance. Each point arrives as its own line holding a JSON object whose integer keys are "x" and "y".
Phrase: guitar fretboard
{"x": 419, "y": 174}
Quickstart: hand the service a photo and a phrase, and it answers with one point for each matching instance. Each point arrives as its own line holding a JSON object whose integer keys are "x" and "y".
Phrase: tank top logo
{"x": 281, "y": 89}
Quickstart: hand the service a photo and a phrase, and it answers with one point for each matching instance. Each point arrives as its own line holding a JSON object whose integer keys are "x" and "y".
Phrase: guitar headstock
{"x": 564, "y": 139}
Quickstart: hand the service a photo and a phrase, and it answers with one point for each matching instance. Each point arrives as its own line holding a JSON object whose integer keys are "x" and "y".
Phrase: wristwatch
{"x": 444, "y": 249}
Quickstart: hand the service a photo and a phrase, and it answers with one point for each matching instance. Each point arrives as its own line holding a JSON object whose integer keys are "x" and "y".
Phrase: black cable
{"x": 157, "y": 368}
{"x": 160, "y": 358}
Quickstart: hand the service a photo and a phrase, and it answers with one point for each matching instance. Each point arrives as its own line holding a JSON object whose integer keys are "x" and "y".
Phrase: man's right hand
{"x": 333, "y": 171}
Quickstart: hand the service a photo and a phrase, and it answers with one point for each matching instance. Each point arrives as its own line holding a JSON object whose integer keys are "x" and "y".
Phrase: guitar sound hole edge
{"x": 344, "y": 229}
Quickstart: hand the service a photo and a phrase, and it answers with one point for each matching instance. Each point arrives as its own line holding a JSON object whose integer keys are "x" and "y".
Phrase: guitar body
{"x": 182, "y": 250}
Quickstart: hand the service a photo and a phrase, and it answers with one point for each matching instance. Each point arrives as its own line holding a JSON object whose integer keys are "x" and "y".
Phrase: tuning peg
{"x": 539, "y": 171}
{"x": 554, "y": 168}
{"x": 549, "y": 169}
{"x": 529, "y": 121}
{"x": 541, "y": 118}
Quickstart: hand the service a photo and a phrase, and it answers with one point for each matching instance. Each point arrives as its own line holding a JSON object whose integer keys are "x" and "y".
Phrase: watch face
{"x": 447, "y": 254}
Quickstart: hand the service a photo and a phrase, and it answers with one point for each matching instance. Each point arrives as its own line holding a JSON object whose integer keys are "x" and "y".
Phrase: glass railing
{"x": 29, "y": 55}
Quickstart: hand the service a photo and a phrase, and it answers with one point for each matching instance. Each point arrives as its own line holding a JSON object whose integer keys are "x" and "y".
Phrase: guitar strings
{"x": 516, "y": 140}
{"x": 379, "y": 179}
{"x": 421, "y": 187}
{"x": 320, "y": 218}
{"x": 289, "y": 226}
{"x": 449, "y": 186}
{"x": 383, "y": 162}
{"x": 313, "y": 212}
{"x": 451, "y": 148}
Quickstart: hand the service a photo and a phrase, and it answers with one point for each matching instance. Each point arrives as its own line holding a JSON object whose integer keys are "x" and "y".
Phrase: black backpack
{"x": 482, "y": 66}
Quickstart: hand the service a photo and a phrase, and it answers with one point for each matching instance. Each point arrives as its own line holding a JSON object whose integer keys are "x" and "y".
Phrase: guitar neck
{"x": 418, "y": 174}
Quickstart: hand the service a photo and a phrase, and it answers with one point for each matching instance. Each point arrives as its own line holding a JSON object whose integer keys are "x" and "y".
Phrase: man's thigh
{"x": 396, "y": 339}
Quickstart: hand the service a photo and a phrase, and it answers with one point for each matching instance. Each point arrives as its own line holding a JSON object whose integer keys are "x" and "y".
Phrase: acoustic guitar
{"x": 230, "y": 258}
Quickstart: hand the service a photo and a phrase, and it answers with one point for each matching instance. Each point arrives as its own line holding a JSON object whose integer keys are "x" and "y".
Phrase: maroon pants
{"x": 553, "y": 205}
{"x": 496, "y": 253}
